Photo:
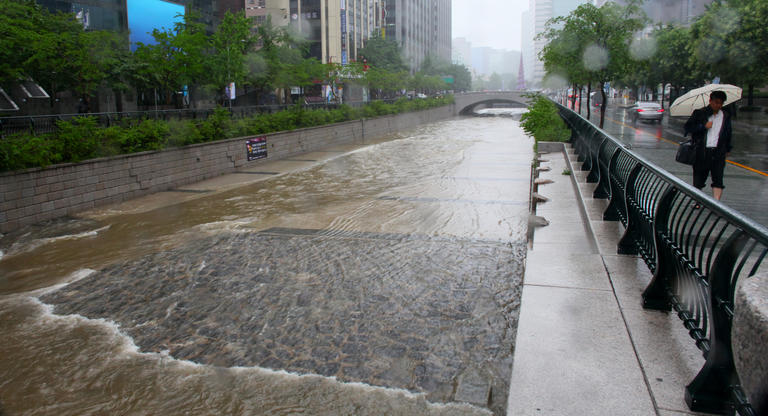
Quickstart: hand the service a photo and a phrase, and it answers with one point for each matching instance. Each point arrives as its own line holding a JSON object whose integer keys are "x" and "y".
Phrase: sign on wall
{"x": 256, "y": 148}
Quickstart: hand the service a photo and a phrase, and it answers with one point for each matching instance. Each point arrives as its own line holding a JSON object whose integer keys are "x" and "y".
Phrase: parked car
{"x": 643, "y": 110}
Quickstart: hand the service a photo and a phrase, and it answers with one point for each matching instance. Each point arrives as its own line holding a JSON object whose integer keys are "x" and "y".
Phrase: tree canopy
{"x": 56, "y": 51}
{"x": 382, "y": 54}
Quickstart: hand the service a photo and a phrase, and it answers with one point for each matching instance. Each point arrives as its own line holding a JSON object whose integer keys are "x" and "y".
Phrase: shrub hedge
{"x": 543, "y": 122}
{"x": 82, "y": 138}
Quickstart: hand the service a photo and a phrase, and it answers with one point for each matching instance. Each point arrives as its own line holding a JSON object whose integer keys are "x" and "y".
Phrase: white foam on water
{"x": 48, "y": 316}
{"x": 73, "y": 277}
{"x": 18, "y": 248}
{"x": 1, "y": 254}
{"x": 125, "y": 347}
{"x": 360, "y": 387}
{"x": 238, "y": 225}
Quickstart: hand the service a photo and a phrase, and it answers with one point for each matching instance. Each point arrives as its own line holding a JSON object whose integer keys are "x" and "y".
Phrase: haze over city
{"x": 491, "y": 23}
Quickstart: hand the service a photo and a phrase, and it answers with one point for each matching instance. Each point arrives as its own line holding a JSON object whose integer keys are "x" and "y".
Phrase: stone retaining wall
{"x": 750, "y": 336}
{"x": 35, "y": 195}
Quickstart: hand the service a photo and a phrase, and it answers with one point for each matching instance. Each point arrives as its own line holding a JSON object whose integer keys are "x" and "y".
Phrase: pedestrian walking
{"x": 710, "y": 129}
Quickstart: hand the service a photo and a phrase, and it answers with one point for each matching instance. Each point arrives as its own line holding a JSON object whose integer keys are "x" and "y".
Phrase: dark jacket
{"x": 696, "y": 125}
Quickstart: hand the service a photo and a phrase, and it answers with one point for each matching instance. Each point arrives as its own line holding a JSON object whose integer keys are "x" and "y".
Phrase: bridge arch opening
{"x": 471, "y": 109}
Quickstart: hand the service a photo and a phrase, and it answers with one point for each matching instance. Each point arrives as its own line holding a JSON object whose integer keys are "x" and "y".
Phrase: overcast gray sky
{"x": 494, "y": 23}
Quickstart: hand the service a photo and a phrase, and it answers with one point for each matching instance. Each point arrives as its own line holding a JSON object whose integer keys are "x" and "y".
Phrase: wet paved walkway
{"x": 585, "y": 345}
{"x": 746, "y": 177}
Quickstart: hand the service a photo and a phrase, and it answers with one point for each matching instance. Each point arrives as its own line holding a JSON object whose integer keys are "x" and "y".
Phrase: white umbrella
{"x": 699, "y": 97}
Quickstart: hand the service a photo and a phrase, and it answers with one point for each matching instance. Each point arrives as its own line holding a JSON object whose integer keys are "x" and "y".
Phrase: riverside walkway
{"x": 585, "y": 345}
{"x": 588, "y": 331}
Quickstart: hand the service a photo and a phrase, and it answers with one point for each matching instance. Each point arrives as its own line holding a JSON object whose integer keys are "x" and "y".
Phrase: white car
{"x": 643, "y": 110}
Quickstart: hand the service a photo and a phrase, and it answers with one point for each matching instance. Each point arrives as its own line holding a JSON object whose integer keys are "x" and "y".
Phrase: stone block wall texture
{"x": 749, "y": 338}
{"x": 35, "y": 195}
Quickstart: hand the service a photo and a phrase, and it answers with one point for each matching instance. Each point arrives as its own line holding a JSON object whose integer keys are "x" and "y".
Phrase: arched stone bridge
{"x": 467, "y": 103}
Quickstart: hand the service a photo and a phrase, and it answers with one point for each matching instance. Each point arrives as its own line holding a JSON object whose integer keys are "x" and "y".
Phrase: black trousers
{"x": 714, "y": 165}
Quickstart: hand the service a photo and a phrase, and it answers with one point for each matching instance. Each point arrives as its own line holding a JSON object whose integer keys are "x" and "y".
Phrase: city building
{"x": 140, "y": 16}
{"x": 527, "y": 46}
{"x": 461, "y": 52}
{"x": 336, "y": 29}
{"x": 421, "y": 28}
{"x": 259, "y": 10}
{"x": 540, "y": 13}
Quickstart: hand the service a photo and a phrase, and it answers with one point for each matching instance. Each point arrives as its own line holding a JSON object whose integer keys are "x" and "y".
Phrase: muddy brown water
{"x": 441, "y": 204}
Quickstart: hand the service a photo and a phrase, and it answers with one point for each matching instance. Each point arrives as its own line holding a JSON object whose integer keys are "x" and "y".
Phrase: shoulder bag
{"x": 686, "y": 153}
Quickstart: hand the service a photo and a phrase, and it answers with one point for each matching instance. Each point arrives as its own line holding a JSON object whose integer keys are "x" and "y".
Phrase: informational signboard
{"x": 256, "y": 148}
{"x": 229, "y": 91}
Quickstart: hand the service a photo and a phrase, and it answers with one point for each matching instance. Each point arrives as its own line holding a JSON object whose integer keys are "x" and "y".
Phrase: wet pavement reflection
{"x": 385, "y": 277}
{"x": 746, "y": 180}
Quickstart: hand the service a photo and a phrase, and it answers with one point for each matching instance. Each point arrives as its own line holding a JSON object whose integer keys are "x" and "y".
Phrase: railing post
{"x": 594, "y": 173}
{"x": 711, "y": 390}
{"x": 611, "y": 212}
{"x": 603, "y": 189}
{"x": 656, "y": 295}
{"x": 628, "y": 242}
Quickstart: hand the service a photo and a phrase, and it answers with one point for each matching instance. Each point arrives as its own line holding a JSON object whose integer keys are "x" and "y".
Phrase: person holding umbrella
{"x": 710, "y": 128}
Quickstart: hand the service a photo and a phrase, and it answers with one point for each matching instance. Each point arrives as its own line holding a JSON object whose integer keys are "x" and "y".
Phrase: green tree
{"x": 729, "y": 40}
{"x": 543, "y": 122}
{"x": 673, "y": 61}
{"x": 462, "y": 77}
{"x": 382, "y": 54}
{"x": 55, "y": 61}
{"x": 176, "y": 59}
{"x": 20, "y": 26}
{"x": 230, "y": 45}
{"x": 600, "y": 37}
{"x": 266, "y": 67}
{"x": 563, "y": 54}
{"x": 748, "y": 52}
{"x": 383, "y": 83}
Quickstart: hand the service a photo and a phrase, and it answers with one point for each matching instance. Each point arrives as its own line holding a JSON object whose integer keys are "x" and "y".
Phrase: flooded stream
{"x": 383, "y": 280}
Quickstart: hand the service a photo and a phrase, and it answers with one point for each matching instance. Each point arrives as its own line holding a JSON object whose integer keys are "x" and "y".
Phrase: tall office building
{"x": 336, "y": 29}
{"x": 542, "y": 11}
{"x": 461, "y": 52}
{"x": 421, "y": 28}
{"x": 527, "y": 45}
{"x": 140, "y": 16}
{"x": 94, "y": 14}
{"x": 259, "y": 10}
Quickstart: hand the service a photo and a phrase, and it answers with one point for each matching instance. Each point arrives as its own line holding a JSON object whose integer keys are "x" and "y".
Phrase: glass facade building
{"x": 420, "y": 28}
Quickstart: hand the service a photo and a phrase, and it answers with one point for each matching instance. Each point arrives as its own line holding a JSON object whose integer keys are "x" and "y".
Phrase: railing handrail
{"x": 177, "y": 110}
{"x": 747, "y": 224}
{"x": 45, "y": 123}
{"x": 696, "y": 248}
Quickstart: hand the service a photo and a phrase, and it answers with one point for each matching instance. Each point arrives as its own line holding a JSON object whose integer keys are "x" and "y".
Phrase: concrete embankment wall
{"x": 35, "y": 195}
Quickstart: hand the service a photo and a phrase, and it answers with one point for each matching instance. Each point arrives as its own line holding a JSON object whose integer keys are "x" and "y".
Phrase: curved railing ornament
{"x": 696, "y": 248}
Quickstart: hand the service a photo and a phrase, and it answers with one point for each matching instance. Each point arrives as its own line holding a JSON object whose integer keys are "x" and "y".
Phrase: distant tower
{"x": 521, "y": 76}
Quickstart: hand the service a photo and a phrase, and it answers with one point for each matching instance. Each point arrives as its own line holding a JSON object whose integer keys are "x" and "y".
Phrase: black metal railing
{"x": 696, "y": 248}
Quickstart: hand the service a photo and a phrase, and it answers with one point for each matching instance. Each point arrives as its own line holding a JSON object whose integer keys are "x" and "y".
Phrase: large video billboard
{"x": 147, "y": 15}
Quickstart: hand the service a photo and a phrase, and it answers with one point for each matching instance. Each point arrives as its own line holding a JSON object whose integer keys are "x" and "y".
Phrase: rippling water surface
{"x": 355, "y": 226}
